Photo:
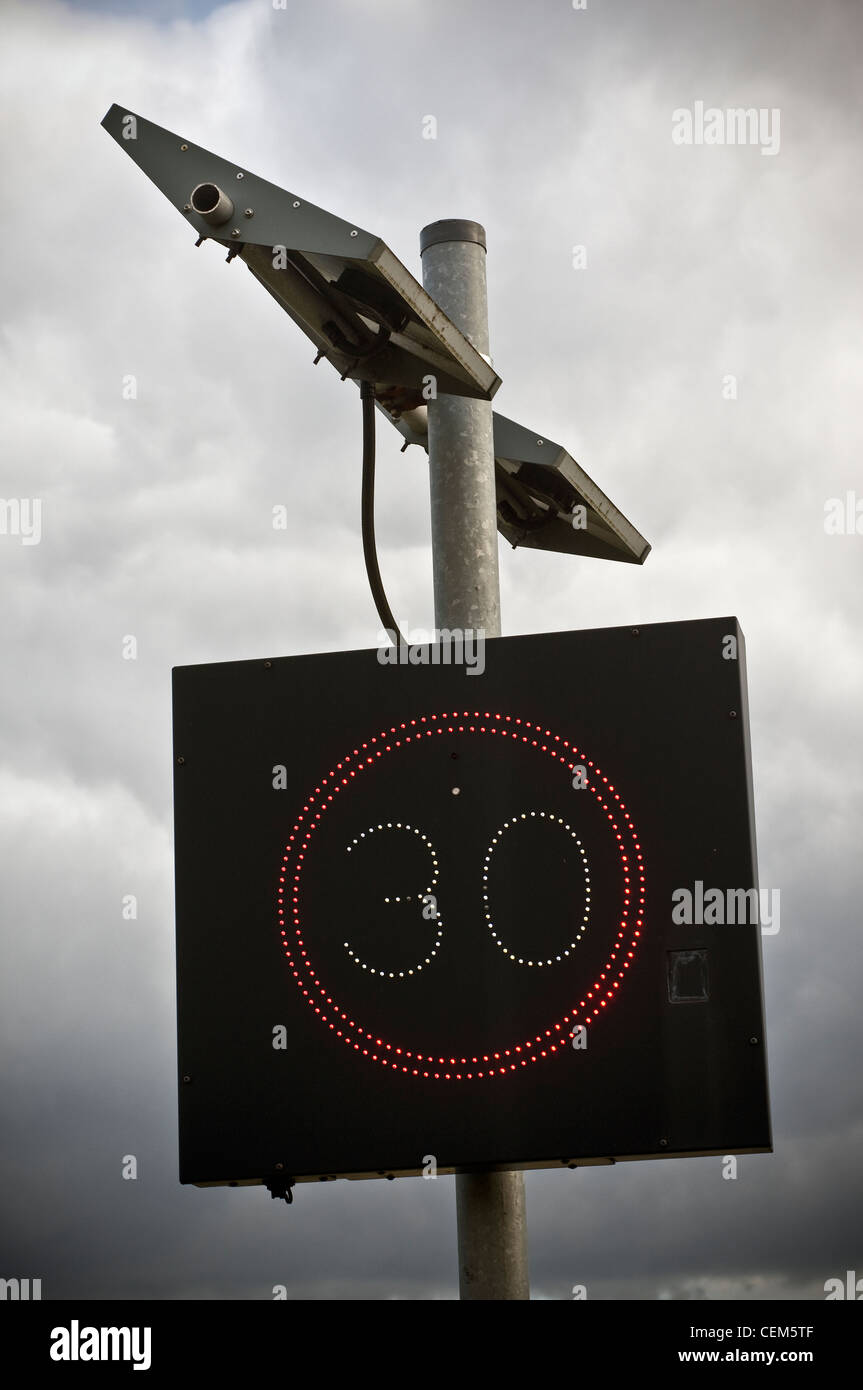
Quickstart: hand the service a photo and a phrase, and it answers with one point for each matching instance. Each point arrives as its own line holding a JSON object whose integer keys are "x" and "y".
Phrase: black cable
{"x": 367, "y": 395}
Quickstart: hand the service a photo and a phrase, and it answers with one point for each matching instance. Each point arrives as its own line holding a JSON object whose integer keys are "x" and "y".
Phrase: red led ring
{"x": 554, "y": 1039}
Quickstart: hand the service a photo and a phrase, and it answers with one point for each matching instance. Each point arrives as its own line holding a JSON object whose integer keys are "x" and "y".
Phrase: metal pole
{"x": 492, "y": 1228}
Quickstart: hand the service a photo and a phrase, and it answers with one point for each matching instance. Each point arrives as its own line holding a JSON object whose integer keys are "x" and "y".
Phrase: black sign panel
{"x": 444, "y": 917}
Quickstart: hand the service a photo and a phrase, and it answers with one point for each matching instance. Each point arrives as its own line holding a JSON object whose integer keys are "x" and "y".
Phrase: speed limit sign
{"x": 427, "y": 908}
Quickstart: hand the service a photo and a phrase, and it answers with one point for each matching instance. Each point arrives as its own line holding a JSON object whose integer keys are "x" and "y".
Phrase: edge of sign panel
{"x": 750, "y": 801}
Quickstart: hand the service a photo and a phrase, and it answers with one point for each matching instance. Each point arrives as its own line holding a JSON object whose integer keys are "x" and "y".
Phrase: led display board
{"x": 454, "y": 907}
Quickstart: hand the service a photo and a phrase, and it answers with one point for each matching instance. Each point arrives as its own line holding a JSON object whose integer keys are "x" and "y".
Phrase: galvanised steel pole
{"x": 492, "y": 1226}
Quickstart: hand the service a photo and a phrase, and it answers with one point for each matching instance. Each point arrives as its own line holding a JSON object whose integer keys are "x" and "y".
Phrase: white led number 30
{"x": 427, "y": 898}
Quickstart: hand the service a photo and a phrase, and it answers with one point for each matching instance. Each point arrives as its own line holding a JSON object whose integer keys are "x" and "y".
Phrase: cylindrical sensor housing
{"x": 209, "y": 202}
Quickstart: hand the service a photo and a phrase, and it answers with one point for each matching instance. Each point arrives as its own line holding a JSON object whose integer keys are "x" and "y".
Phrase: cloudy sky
{"x": 702, "y": 365}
